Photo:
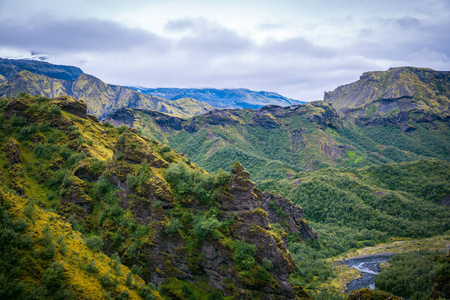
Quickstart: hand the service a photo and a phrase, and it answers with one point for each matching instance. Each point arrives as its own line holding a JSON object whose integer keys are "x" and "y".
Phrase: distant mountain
{"x": 11, "y": 67}
{"x": 226, "y": 98}
{"x": 394, "y": 116}
{"x": 44, "y": 79}
{"x": 404, "y": 89}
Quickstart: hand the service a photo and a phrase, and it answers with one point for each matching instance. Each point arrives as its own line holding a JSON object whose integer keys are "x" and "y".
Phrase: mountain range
{"x": 49, "y": 80}
{"x": 123, "y": 209}
{"x": 226, "y": 98}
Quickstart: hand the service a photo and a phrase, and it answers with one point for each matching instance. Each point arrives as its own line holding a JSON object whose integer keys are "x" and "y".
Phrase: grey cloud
{"x": 297, "y": 45}
{"x": 179, "y": 25}
{"x": 408, "y": 22}
{"x": 52, "y": 35}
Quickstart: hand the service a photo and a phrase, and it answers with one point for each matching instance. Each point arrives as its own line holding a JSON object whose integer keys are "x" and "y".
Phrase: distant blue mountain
{"x": 227, "y": 98}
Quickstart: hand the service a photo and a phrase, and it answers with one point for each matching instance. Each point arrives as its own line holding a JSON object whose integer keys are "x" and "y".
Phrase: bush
{"x": 204, "y": 227}
{"x": 244, "y": 255}
{"x": 267, "y": 264}
{"x": 103, "y": 185}
{"x": 53, "y": 277}
{"x": 94, "y": 243}
{"x": 55, "y": 110}
{"x": 18, "y": 121}
{"x": 121, "y": 129}
{"x": 129, "y": 281}
{"x": 91, "y": 267}
{"x": 108, "y": 124}
{"x": 172, "y": 227}
{"x": 106, "y": 281}
{"x": 146, "y": 293}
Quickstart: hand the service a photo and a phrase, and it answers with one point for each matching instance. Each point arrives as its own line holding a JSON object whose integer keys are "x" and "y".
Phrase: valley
{"x": 143, "y": 204}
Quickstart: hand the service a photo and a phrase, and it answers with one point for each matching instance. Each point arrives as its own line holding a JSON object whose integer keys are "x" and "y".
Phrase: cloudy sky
{"x": 298, "y": 48}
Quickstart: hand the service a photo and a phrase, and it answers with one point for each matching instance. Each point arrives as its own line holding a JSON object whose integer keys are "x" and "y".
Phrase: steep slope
{"x": 191, "y": 232}
{"x": 276, "y": 142}
{"x": 406, "y": 89}
{"x": 226, "y": 98}
{"x": 44, "y": 79}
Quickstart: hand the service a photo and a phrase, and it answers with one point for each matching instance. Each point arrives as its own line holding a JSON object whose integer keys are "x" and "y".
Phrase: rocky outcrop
{"x": 284, "y": 212}
{"x": 135, "y": 149}
{"x": 70, "y": 105}
{"x": 12, "y": 150}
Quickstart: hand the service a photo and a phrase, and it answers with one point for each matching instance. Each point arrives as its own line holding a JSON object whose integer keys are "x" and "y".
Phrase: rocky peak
{"x": 388, "y": 92}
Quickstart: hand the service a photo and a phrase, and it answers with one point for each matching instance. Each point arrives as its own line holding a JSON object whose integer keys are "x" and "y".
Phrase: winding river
{"x": 368, "y": 266}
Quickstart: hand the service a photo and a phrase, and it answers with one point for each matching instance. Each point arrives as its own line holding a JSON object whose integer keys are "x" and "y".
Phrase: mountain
{"x": 44, "y": 79}
{"x": 277, "y": 142}
{"x": 10, "y": 68}
{"x": 226, "y": 98}
{"x": 393, "y": 93}
{"x": 362, "y": 178}
{"x": 88, "y": 210}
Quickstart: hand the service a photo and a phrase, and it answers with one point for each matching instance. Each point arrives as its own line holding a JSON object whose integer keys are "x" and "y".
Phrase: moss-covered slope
{"x": 276, "y": 142}
{"x": 113, "y": 190}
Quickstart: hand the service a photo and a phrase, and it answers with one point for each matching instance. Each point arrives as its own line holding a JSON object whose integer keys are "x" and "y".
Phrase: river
{"x": 368, "y": 266}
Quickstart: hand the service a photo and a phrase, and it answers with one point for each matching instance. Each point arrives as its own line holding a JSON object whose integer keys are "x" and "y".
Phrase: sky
{"x": 297, "y": 48}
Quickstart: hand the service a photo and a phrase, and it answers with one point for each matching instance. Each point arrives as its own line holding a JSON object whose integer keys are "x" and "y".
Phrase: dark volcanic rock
{"x": 12, "y": 150}
{"x": 70, "y": 105}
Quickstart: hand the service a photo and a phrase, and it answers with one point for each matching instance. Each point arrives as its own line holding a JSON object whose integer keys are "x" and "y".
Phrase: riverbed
{"x": 368, "y": 266}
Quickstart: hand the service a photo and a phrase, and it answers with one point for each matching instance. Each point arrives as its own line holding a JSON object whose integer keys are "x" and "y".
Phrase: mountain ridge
{"x": 380, "y": 93}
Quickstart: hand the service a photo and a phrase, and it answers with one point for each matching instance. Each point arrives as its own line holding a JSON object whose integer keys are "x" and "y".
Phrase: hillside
{"x": 422, "y": 92}
{"x": 226, "y": 98}
{"x": 103, "y": 189}
{"x": 277, "y": 142}
{"x": 44, "y": 79}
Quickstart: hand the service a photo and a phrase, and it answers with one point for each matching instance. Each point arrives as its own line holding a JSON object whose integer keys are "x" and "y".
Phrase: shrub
{"x": 146, "y": 293}
{"x": 135, "y": 269}
{"x": 53, "y": 277}
{"x": 244, "y": 255}
{"x": 28, "y": 211}
{"x": 124, "y": 295}
{"x": 55, "y": 110}
{"x": 121, "y": 129}
{"x": 267, "y": 264}
{"x": 106, "y": 281}
{"x": 94, "y": 243}
{"x": 18, "y": 121}
{"x": 204, "y": 227}
{"x": 108, "y": 124}
{"x": 26, "y": 132}
{"x": 91, "y": 268}
{"x": 172, "y": 227}
{"x": 103, "y": 185}
{"x": 129, "y": 281}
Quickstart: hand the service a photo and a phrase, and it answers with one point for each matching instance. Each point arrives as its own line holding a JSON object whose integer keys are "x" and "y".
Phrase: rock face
{"x": 164, "y": 255}
{"x": 396, "y": 90}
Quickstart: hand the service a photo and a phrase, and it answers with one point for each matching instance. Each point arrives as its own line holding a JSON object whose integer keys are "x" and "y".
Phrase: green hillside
{"x": 276, "y": 142}
{"x": 80, "y": 198}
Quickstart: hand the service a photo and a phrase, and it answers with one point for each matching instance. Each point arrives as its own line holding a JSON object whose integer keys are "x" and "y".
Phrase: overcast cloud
{"x": 296, "y": 48}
